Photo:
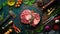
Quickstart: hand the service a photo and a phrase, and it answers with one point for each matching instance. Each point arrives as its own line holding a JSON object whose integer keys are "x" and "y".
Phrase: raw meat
{"x": 36, "y": 19}
{"x": 27, "y": 17}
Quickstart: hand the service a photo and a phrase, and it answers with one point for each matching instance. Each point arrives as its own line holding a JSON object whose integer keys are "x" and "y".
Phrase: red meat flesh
{"x": 26, "y": 17}
{"x": 36, "y": 19}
